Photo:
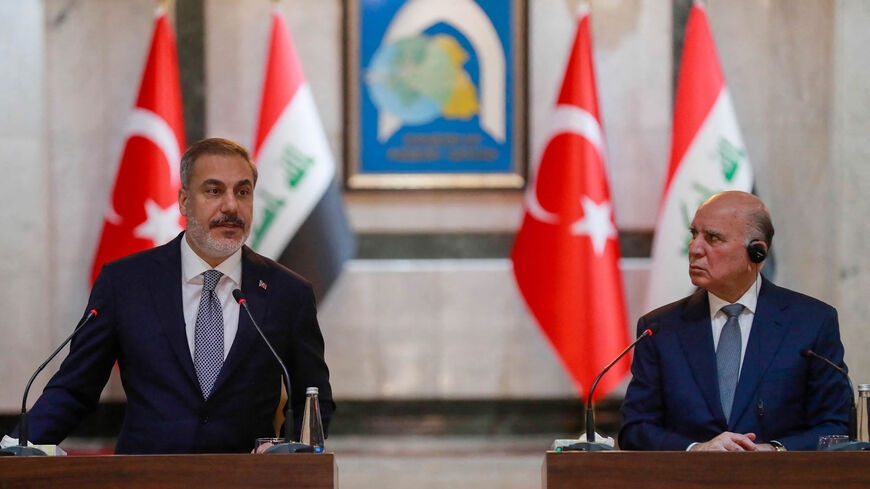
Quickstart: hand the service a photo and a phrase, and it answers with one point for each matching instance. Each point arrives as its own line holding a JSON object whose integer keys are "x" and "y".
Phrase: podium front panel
{"x": 684, "y": 470}
{"x": 298, "y": 471}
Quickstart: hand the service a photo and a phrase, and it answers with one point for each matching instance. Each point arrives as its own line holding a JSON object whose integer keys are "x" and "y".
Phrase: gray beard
{"x": 221, "y": 248}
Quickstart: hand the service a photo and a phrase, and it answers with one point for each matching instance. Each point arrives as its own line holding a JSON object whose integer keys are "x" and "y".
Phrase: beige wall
{"x": 24, "y": 248}
{"x": 448, "y": 329}
{"x": 850, "y": 154}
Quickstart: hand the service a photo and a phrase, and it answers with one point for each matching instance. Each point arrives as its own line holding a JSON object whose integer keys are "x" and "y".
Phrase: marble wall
{"x": 24, "y": 244}
{"x": 436, "y": 328}
{"x": 849, "y": 157}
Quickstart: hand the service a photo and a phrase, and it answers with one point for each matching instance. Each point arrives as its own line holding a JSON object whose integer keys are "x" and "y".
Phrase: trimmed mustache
{"x": 227, "y": 219}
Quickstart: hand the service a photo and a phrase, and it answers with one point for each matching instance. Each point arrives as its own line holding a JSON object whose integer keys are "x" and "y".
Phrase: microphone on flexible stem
{"x": 22, "y": 449}
{"x": 592, "y": 446}
{"x": 288, "y": 447}
{"x": 853, "y": 444}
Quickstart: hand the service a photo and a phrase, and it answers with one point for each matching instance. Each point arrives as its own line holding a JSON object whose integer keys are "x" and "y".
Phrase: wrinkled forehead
{"x": 716, "y": 218}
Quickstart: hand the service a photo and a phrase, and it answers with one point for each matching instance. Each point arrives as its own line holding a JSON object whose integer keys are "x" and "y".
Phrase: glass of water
{"x": 828, "y": 442}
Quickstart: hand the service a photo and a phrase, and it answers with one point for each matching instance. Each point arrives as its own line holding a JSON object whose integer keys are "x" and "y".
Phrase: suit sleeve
{"x": 74, "y": 391}
{"x": 827, "y": 399}
{"x": 643, "y": 408}
{"x": 307, "y": 366}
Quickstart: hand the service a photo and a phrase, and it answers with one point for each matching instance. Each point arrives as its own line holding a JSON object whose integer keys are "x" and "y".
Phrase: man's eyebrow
{"x": 244, "y": 182}
{"x": 213, "y": 181}
{"x": 706, "y": 231}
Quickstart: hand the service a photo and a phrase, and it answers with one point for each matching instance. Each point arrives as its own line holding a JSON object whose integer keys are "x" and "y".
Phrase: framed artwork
{"x": 435, "y": 94}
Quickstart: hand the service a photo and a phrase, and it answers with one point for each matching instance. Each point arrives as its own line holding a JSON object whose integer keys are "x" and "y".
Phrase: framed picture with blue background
{"x": 435, "y": 94}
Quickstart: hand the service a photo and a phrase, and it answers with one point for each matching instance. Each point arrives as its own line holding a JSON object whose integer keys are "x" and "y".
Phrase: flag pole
{"x": 163, "y": 9}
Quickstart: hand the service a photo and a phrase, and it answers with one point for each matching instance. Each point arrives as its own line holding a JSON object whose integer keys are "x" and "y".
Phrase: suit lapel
{"x": 254, "y": 272}
{"x": 696, "y": 338}
{"x": 765, "y": 339}
{"x": 165, "y": 286}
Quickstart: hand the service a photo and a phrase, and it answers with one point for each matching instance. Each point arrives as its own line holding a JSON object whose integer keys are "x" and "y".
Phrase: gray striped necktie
{"x": 728, "y": 357}
{"x": 208, "y": 351}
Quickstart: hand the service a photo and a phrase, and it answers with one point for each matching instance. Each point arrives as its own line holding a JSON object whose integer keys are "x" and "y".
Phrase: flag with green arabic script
{"x": 707, "y": 156}
{"x": 299, "y": 217}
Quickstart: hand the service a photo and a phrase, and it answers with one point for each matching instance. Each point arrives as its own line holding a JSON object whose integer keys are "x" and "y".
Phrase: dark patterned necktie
{"x": 208, "y": 351}
{"x": 728, "y": 357}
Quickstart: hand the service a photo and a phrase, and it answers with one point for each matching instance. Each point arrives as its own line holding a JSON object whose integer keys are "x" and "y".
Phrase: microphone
{"x": 853, "y": 443}
{"x": 807, "y": 353}
{"x": 288, "y": 447}
{"x": 592, "y": 446}
{"x": 22, "y": 449}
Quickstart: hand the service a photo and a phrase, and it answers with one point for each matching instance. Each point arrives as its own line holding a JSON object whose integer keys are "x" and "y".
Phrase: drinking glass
{"x": 262, "y": 444}
{"x": 827, "y": 442}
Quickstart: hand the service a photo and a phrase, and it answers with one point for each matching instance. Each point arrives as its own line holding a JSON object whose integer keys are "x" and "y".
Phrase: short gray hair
{"x": 759, "y": 226}
{"x": 212, "y": 146}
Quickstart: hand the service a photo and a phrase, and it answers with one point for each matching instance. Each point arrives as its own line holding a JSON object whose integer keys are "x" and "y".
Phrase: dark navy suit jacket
{"x": 141, "y": 326}
{"x": 673, "y": 398}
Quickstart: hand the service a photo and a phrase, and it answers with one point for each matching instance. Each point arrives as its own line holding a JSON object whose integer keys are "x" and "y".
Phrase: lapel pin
{"x": 262, "y": 285}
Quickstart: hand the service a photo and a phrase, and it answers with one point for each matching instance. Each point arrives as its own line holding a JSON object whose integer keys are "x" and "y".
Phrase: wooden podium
{"x": 681, "y": 470}
{"x": 303, "y": 471}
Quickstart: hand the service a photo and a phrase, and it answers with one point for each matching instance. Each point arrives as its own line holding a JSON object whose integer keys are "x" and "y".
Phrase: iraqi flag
{"x": 143, "y": 210}
{"x": 299, "y": 216}
{"x": 566, "y": 254}
{"x": 707, "y": 156}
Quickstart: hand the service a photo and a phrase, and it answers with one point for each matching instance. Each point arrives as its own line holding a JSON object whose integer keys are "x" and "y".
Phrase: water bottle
{"x": 863, "y": 412}
{"x": 312, "y": 425}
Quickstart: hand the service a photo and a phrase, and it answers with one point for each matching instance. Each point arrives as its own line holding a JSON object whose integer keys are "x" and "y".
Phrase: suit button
{"x": 203, "y": 419}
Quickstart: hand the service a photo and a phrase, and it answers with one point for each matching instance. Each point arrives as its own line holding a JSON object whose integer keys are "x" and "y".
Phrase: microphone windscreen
{"x": 807, "y": 353}
{"x": 237, "y": 295}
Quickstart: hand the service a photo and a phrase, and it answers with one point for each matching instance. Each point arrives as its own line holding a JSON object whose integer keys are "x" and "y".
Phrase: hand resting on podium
{"x": 732, "y": 442}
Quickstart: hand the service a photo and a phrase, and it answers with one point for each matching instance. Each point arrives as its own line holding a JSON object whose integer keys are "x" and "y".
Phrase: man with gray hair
{"x": 197, "y": 376}
{"x": 724, "y": 371}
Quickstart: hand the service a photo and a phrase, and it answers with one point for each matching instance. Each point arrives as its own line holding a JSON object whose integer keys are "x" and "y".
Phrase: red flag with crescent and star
{"x": 143, "y": 207}
{"x": 566, "y": 254}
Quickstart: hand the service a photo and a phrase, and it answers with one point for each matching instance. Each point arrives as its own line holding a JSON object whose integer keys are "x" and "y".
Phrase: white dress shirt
{"x": 749, "y": 301}
{"x": 192, "y": 268}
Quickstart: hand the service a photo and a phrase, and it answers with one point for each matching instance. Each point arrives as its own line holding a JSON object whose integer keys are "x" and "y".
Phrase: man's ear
{"x": 182, "y": 201}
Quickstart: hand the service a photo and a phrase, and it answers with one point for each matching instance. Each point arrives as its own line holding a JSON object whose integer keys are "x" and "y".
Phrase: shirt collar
{"x": 749, "y": 300}
{"x": 192, "y": 266}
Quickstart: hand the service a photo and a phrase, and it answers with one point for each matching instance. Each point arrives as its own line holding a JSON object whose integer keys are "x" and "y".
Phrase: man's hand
{"x": 729, "y": 442}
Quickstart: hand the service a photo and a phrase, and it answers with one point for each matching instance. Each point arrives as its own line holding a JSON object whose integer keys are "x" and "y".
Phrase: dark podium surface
{"x": 682, "y": 470}
{"x": 304, "y": 471}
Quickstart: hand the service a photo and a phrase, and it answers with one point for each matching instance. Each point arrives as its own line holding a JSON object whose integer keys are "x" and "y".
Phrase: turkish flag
{"x": 143, "y": 210}
{"x": 566, "y": 255}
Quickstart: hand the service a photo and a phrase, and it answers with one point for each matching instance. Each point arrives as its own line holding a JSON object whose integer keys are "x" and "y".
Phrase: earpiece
{"x": 757, "y": 251}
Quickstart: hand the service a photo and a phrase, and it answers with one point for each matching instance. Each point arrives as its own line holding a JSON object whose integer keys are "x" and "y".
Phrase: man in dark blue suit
{"x": 197, "y": 376}
{"x": 724, "y": 370}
